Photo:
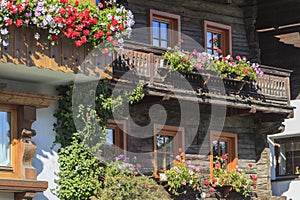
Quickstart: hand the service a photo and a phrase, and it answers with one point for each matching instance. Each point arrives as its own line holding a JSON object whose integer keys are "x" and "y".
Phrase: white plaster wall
{"x": 291, "y": 128}
{"x": 6, "y": 196}
{"x": 45, "y": 160}
{"x": 288, "y": 188}
{"x": 292, "y": 125}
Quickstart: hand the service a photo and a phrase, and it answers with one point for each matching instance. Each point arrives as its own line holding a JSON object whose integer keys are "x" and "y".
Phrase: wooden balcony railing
{"x": 147, "y": 63}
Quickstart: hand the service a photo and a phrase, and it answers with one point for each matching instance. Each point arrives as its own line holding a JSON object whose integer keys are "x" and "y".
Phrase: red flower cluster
{"x": 78, "y": 23}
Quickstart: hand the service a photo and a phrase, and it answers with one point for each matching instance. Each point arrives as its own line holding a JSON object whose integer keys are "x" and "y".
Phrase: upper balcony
{"x": 270, "y": 93}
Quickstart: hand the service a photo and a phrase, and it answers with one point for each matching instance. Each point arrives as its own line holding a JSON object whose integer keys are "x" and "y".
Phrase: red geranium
{"x": 217, "y": 166}
{"x": 9, "y": 22}
{"x": 105, "y": 51}
{"x": 78, "y": 43}
{"x": 121, "y": 28}
{"x": 19, "y": 22}
{"x": 54, "y": 38}
{"x": 254, "y": 177}
{"x": 86, "y": 32}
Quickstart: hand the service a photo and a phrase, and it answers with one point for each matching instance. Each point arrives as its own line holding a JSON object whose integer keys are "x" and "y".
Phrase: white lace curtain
{"x": 5, "y": 139}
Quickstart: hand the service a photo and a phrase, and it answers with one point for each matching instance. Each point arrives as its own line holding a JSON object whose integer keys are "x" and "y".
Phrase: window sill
{"x": 21, "y": 185}
{"x": 288, "y": 177}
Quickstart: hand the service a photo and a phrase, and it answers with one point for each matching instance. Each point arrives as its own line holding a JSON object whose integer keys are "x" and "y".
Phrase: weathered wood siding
{"x": 192, "y": 13}
{"x": 252, "y": 147}
{"x": 273, "y": 14}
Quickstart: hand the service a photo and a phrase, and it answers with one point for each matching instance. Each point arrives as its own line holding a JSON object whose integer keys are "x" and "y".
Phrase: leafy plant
{"x": 237, "y": 178}
{"x": 183, "y": 174}
{"x": 123, "y": 181}
{"x": 80, "y": 172}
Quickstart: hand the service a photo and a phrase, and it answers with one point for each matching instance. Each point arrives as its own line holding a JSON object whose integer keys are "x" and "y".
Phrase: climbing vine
{"x": 80, "y": 172}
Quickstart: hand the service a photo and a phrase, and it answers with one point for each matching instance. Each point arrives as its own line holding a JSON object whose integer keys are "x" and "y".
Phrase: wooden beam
{"x": 15, "y": 185}
{"x": 24, "y": 98}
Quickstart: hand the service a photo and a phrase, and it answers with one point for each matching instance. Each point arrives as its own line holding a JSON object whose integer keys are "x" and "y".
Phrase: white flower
{"x": 37, "y": 36}
{"x": 4, "y": 31}
{"x": 121, "y": 41}
{"x": 112, "y": 28}
{"x": 119, "y": 18}
{"x": 5, "y": 43}
{"x": 109, "y": 16}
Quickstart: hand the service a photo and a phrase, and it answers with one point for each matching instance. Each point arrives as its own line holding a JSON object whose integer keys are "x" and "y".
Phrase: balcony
{"x": 270, "y": 93}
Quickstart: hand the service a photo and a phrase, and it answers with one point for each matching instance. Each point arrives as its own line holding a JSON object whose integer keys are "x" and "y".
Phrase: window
{"x": 287, "y": 152}
{"x": 217, "y": 36}
{"x": 115, "y": 140}
{"x": 8, "y": 141}
{"x": 165, "y": 28}
{"x": 167, "y": 143}
{"x": 224, "y": 143}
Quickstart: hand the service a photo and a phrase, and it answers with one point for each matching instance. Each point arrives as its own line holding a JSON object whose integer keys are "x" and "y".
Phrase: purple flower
{"x": 29, "y": 14}
{"x": 120, "y": 157}
{"x": 41, "y": 4}
{"x": 37, "y": 14}
{"x": 183, "y": 183}
{"x": 197, "y": 169}
{"x": 178, "y": 157}
{"x": 178, "y": 171}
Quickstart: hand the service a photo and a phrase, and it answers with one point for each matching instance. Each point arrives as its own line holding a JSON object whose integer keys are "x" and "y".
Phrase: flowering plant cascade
{"x": 237, "y": 178}
{"x": 226, "y": 67}
{"x": 183, "y": 174}
{"x": 80, "y": 22}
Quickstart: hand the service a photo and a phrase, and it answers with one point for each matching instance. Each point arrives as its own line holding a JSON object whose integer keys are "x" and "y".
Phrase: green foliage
{"x": 178, "y": 59}
{"x": 79, "y": 176}
{"x": 182, "y": 175}
{"x": 80, "y": 171}
{"x": 137, "y": 94}
{"x": 64, "y": 126}
{"x": 122, "y": 182}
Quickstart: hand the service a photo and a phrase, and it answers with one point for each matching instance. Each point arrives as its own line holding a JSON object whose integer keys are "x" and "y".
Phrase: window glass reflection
{"x": 5, "y": 139}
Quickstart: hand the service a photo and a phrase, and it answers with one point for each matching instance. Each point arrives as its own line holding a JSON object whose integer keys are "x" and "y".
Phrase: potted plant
{"x": 183, "y": 177}
{"x": 228, "y": 68}
{"x": 79, "y": 22}
{"x": 232, "y": 180}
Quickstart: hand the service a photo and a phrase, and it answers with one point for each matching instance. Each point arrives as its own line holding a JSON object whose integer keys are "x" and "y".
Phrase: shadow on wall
{"x": 279, "y": 188}
{"x": 45, "y": 160}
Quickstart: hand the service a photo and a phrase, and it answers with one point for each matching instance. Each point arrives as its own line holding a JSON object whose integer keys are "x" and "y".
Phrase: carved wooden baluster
{"x": 26, "y": 116}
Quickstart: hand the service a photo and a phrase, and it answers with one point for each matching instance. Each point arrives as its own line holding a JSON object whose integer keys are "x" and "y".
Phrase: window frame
{"x": 176, "y": 132}
{"x": 278, "y": 142}
{"x": 120, "y": 135}
{"x": 232, "y": 156}
{"x": 171, "y": 19}
{"x": 223, "y": 30}
{"x": 14, "y": 170}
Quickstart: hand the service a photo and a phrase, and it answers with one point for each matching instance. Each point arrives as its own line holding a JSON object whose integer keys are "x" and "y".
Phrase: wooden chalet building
{"x": 278, "y": 29}
{"x": 31, "y": 70}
